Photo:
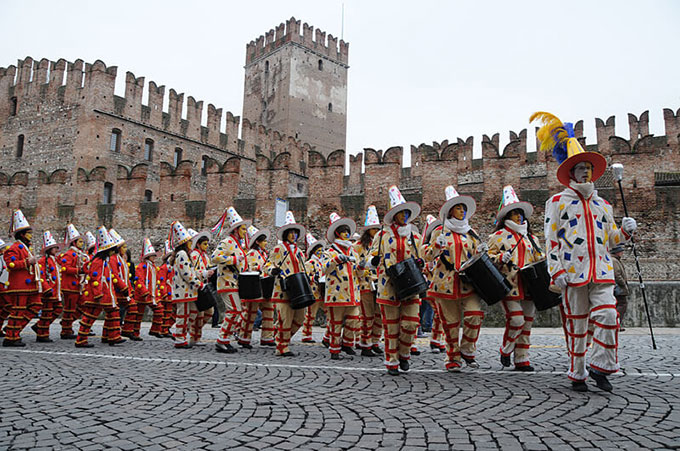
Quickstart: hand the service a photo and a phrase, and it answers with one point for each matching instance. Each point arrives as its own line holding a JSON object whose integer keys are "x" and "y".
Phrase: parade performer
{"x": 5, "y": 306}
{"x": 579, "y": 231}
{"x": 24, "y": 288}
{"x": 456, "y": 244}
{"x": 231, "y": 258}
{"x": 166, "y": 315}
{"x": 371, "y": 324}
{"x": 395, "y": 243}
{"x": 343, "y": 295}
{"x": 315, "y": 267}
{"x": 72, "y": 262}
{"x": 185, "y": 285}
{"x": 99, "y": 294}
{"x": 50, "y": 274}
{"x": 437, "y": 341}
{"x": 285, "y": 260}
{"x": 91, "y": 243}
{"x": 257, "y": 257}
{"x": 121, "y": 269}
{"x": 146, "y": 293}
{"x": 201, "y": 259}
{"x": 511, "y": 247}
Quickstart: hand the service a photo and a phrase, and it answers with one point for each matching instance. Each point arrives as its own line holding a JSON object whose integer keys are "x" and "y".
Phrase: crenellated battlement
{"x": 313, "y": 39}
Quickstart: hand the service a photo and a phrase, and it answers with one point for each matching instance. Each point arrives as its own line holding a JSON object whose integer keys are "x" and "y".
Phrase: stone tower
{"x": 297, "y": 84}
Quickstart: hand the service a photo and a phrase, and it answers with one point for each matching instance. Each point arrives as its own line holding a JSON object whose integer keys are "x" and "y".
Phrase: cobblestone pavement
{"x": 148, "y": 395}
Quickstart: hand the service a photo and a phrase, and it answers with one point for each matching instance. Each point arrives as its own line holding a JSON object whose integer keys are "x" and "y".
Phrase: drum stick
{"x": 617, "y": 169}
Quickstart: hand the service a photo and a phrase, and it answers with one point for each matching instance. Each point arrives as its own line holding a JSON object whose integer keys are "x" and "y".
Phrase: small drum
{"x": 322, "y": 287}
{"x": 267, "y": 284}
{"x": 407, "y": 278}
{"x": 536, "y": 281}
{"x": 487, "y": 280}
{"x": 207, "y": 298}
{"x": 299, "y": 292}
{"x": 249, "y": 285}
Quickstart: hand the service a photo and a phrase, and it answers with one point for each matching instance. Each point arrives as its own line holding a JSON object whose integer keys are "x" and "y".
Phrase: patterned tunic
{"x": 367, "y": 277}
{"x": 165, "y": 282}
{"x": 525, "y": 253}
{"x": 290, "y": 259}
{"x": 579, "y": 233}
{"x": 315, "y": 268}
{"x": 22, "y": 276}
{"x": 225, "y": 257}
{"x": 72, "y": 264}
{"x": 50, "y": 274}
{"x": 392, "y": 248}
{"x": 185, "y": 282}
{"x": 459, "y": 248}
{"x": 146, "y": 283}
{"x": 100, "y": 288}
{"x": 342, "y": 287}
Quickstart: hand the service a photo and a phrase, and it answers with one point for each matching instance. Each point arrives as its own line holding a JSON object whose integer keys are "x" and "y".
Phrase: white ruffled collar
{"x": 460, "y": 226}
{"x": 585, "y": 189}
{"x": 517, "y": 228}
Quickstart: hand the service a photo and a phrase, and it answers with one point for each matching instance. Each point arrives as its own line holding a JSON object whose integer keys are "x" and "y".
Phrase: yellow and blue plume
{"x": 553, "y": 134}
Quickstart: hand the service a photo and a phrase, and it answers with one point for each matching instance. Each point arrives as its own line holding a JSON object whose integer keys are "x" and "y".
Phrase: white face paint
{"x": 583, "y": 172}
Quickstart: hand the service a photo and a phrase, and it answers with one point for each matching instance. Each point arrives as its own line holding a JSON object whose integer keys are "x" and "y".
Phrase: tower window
{"x": 108, "y": 193}
{"x": 115, "y": 140}
{"x": 330, "y": 107}
{"x": 148, "y": 149}
{"x": 320, "y": 64}
{"x": 266, "y": 66}
{"x": 178, "y": 155}
{"x": 20, "y": 146}
{"x": 148, "y": 195}
{"x": 13, "y": 104}
{"x": 204, "y": 165}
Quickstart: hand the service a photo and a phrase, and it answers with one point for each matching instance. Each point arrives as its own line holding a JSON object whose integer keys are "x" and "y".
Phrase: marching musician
{"x": 369, "y": 317}
{"x": 257, "y": 257}
{"x": 437, "y": 341}
{"x": 185, "y": 285}
{"x": 512, "y": 247}
{"x": 456, "y": 243}
{"x": 231, "y": 258}
{"x": 166, "y": 315}
{"x": 146, "y": 293}
{"x": 343, "y": 295}
{"x": 50, "y": 274}
{"x": 99, "y": 294}
{"x": 315, "y": 267}
{"x": 285, "y": 260}
{"x": 201, "y": 259}
{"x": 395, "y": 243}
{"x": 120, "y": 269}
{"x": 579, "y": 231}
{"x": 72, "y": 262}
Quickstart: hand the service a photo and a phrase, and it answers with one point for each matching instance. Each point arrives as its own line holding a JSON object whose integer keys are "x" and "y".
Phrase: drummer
{"x": 456, "y": 244}
{"x": 395, "y": 243}
{"x": 257, "y": 257}
{"x": 371, "y": 324}
{"x": 285, "y": 260}
{"x": 437, "y": 341}
{"x": 512, "y": 247}
{"x": 315, "y": 268}
{"x": 230, "y": 256}
{"x": 200, "y": 259}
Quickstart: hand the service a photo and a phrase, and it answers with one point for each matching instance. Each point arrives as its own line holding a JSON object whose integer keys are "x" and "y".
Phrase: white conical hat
{"x": 91, "y": 240}
{"x": 337, "y": 221}
{"x": 167, "y": 249}
{"x": 48, "y": 241}
{"x": 290, "y": 224}
{"x": 117, "y": 239}
{"x": 178, "y": 235}
{"x": 195, "y": 236}
{"x": 510, "y": 201}
{"x": 372, "y": 220}
{"x": 431, "y": 226}
{"x": 355, "y": 237}
{"x": 453, "y": 199}
{"x": 104, "y": 240}
{"x": 72, "y": 234}
{"x": 254, "y": 234}
{"x": 19, "y": 222}
{"x": 397, "y": 204}
{"x": 312, "y": 244}
{"x": 147, "y": 249}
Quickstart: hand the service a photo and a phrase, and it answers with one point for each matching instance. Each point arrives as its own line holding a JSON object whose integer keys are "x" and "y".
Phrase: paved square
{"x": 151, "y": 396}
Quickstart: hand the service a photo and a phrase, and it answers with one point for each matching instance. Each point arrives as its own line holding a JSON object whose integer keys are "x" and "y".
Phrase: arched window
{"x": 266, "y": 66}
{"x": 13, "y": 105}
{"x": 178, "y": 155}
{"x": 148, "y": 195}
{"x": 330, "y": 107}
{"x": 107, "y": 198}
{"x": 148, "y": 149}
{"x": 20, "y": 146}
{"x": 115, "y": 140}
{"x": 320, "y": 64}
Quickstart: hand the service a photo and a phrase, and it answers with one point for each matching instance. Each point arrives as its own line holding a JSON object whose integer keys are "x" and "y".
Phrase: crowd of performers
{"x": 370, "y": 280}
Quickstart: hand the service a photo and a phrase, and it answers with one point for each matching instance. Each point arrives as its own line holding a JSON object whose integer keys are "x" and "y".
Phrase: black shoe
{"x": 601, "y": 381}
{"x": 404, "y": 365}
{"x": 471, "y": 363}
{"x": 287, "y": 354}
{"x": 435, "y": 348}
{"x": 415, "y": 351}
{"x": 127, "y": 334}
{"x": 13, "y": 343}
{"x": 376, "y": 349}
{"x": 245, "y": 345}
{"x": 84, "y": 345}
{"x": 368, "y": 352}
{"x": 524, "y": 368}
{"x": 336, "y": 357}
{"x": 325, "y": 343}
{"x": 117, "y": 341}
{"x": 155, "y": 334}
{"x": 267, "y": 343}
{"x": 70, "y": 336}
{"x": 225, "y": 348}
{"x": 104, "y": 340}
{"x": 34, "y": 328}
{"x": 183, "y": 346}
{"x": 308, "y": 340}
{"x": 348, "y": 350}
{"x": 91, "y": 334}
{"x": 136, "y": 338}
{"x": 579, "y": 386}
{"x": 505, "y": 360}
{"x": 44, "y": 340}
{"x": 393, "y": 372}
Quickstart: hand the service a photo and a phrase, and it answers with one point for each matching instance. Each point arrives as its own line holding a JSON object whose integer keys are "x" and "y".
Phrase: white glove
{"x": 561, "y": 281}
{"x": 352, "y": 258}
{"x": 506, "y": 257}
{"x": 483, "y": 247}
{"x": 441, "y": 241}
{"x": 629, "y": 225}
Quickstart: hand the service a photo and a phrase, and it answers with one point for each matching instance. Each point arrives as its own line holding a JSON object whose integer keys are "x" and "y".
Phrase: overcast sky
{"x": 420, "y": 71}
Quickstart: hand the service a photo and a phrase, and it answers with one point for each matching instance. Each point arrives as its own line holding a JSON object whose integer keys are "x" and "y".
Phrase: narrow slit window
{"x": 115, "y": 140}
{"x": 108, "y": 193}
{"x": 20, "y": 146}
{"x": 178, "y": 155}
{"x": 148, "y": 149}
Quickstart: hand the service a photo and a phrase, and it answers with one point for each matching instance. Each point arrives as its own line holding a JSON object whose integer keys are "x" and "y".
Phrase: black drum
{"x": 299, "y": 292}
{"x": 249, "y": 285}
{"x": 536, "y": 281}
{"x": 322, "y": 287}
{"x": 407, "y": 278}
{"x": 207, "y": 297}
{"x": 487, "y": 280}
{"x": 267, "y": 284}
